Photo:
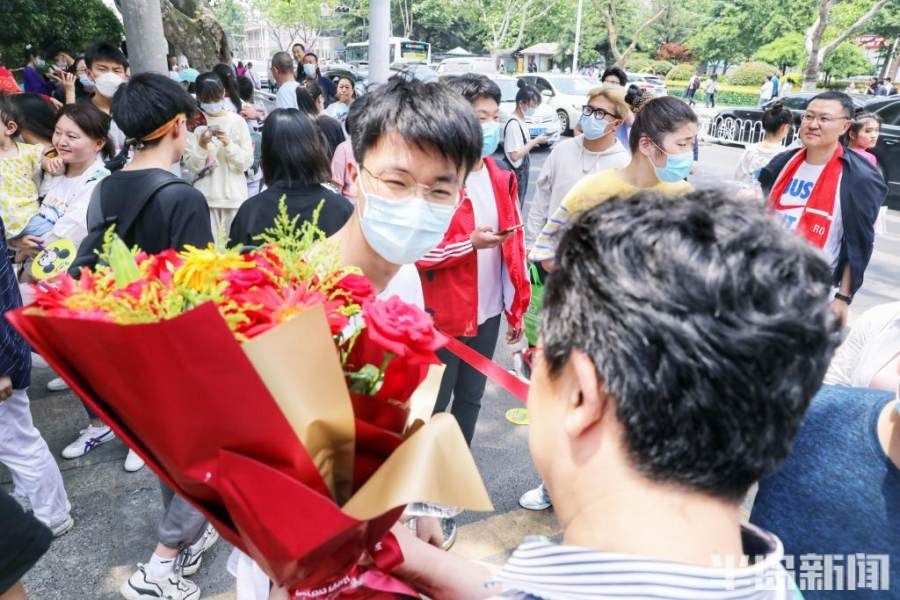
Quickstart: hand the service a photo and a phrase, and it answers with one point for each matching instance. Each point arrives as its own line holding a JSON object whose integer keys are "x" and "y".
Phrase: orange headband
{"x": 164, "y": 128}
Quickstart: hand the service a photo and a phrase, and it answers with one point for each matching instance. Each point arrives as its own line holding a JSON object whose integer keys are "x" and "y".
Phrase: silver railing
{"x": 740, "y": 132}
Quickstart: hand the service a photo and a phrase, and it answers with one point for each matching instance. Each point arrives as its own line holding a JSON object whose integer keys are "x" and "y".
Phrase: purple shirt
{"x": 35, "y": 82}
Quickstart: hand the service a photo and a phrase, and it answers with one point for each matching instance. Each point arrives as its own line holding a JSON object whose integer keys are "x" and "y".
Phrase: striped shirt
{"x": 541, "y": 569}
{"x": 15, "y": 353}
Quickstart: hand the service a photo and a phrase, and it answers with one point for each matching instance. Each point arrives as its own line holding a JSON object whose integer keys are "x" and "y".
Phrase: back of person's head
{"x": 847, "y": 106}
{"x": 293, "y": 151}
{"x": 92, "y": 121}
{"x": 209, "y": 88}
{"x": 776, "y": 117}
{"x": 105, "y": 51}
{"x": 527, "y": 93}
{"x": 36, "y": 115}
{"x": 709, "y": 328}
{"x": 229, "y": 82}
{"x": 429, "y": 116}
{"x": 245, "y": 88}
{"x": 145, "y": 103}
{"x": 473, "y": 86}
{"x": 282, "y": 62}
{"x": 617, "y": 73}
{"x": 657, "y": 117}
{"x": 306, "y": 99}
{"x": 9, "y": 114}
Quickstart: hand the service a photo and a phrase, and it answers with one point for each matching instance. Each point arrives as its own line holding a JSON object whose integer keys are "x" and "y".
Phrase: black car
{"x": 743, "y": 125}
{"x": 888, "y": 149}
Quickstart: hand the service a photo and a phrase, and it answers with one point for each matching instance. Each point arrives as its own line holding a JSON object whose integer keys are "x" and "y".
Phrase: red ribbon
{"x": 490, "y": 369}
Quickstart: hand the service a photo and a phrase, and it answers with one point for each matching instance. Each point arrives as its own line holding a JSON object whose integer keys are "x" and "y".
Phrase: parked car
{"x": 486, "y": 65}
{"x": 654, "y": 84}
{"x": 565, "y": 94}
{"x": 743, "y": 124}
{"x": 544, "y": 119}
{"x": 888, "y": 149}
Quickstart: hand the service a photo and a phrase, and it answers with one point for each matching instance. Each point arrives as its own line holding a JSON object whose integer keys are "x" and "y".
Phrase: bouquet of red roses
{"x": 273, "y": 390}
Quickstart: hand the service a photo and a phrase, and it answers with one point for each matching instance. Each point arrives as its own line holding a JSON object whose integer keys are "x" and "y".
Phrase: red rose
{"x": 357, "y": 287}
{"x": 404, "y": 330}
{"x": 162, "y": 266}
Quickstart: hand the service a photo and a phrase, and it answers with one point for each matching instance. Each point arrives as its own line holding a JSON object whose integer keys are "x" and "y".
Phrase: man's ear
{"x": 587, "y": 402}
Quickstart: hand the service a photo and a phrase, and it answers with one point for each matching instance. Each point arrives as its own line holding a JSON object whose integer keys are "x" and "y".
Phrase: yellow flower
{"x": 202, "y": 268}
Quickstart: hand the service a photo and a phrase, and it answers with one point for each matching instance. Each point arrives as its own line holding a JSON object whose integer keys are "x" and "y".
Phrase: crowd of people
{"x": 684, "y": 333}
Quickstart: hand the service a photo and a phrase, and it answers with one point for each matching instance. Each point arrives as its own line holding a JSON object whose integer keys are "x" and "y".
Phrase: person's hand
{"x": 249, "y": 111}
{"x": 56, "y": 103}
{"x": 205, "y": 137}
{"x": 513, "y": 336}
{"x": 26, "y": 246}
{"x": 222, "y": 137}
{"x": 548, "y": 265}
{"x": 68, "y": 81}
{"x": 428, "y": 529}
{"x": 53, "y": 166}
{"x": 6, "y": 387}
{"x": 841, "y": 310}
{"x": 542, "y": 139}
{"x": 485, "y": 237}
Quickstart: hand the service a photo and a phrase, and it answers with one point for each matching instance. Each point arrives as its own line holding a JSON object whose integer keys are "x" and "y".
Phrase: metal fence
{"x": 740, "y": 132}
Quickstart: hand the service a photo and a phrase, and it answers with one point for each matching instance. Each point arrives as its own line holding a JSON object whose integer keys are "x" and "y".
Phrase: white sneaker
{"x": 133, "y": 462}
{"x": 141, "y": 586}
{"x": 536, "y": 499}
{"x": 63, "y": 528}
{"x": 194, "y": 555}
{"x": 88, "y": 439}
{"x": 39, "y": 361}
{"x": 57, "y": 385}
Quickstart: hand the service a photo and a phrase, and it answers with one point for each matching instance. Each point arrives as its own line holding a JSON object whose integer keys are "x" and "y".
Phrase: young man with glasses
{"x": 828, "y": 194}
{"x": 477, "y": 272}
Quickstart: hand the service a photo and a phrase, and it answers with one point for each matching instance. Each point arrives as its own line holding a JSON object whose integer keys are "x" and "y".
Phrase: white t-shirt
{"x": 490, "y": 260}
{"x": 795, "y": 197}
{"x": 66, "y": 203}
{"x": 287, "y": 95}
{"x": 515, "y": 137}
{"x": 407, "y": 285}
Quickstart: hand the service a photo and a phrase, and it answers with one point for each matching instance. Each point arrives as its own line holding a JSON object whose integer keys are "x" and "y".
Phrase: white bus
{"x": 403, "y": 50}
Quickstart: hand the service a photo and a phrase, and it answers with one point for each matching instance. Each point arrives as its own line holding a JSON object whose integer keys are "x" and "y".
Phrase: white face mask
{"x": 107, "y": 84}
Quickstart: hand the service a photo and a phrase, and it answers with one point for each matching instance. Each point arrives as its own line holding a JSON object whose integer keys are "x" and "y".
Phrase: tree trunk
{"x": 637, "y": 34}
{"x": 197, "y": 35}
{"x": 144, "y": 36}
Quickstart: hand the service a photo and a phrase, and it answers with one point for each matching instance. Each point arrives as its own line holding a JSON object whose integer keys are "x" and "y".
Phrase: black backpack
{"x": 120, "y": 211}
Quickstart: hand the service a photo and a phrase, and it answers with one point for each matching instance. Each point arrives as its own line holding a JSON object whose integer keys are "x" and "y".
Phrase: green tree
{"x": 844, "y": 61}
{"x": 231, "y": 14}
{"x": 70, "y": 25}
{"x": 300, "y": 19}
{"x": 784, "y": 51}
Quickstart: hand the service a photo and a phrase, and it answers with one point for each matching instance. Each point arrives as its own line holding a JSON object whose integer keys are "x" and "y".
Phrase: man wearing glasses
{"x": 828, "y": 195}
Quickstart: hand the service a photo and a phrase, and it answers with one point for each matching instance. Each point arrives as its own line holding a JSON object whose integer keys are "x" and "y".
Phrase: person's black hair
{"x": 209, "y": 87}
{"x": 31, "y": 52}
{"x": 429, "y": 116}
{"x": 307, "y": 95}
{"x": 857, "y": 124}
{"x": 229, "y": 82}
{"x": 92, "y": 121}
{"x": 473, "y": 86}
{"x": 240, "y": 64}
{"x": 142, "y": 105}
{"x": 35, "y": 113}
{"x": 299, "y": 44}
{"x": 840, "y": 97}
{"x": 169, "y": 64}
{"x": 282, "y": 62}
{"x": 293, "y": 151}
{"x": 657, "y": 117}
{"x": 245, "y": 88}
{"x": 9, "y": 113}
{"x": 527, "y": 93}
{"x": 775, "y": 117}
{"x": 709, "y": 326}
{"x": 617, "y": 72}
{"x": 105, "y": 51}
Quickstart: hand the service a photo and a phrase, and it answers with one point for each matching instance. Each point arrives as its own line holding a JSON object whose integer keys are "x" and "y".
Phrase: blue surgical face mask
{"x": 529, "y": 112}
{"x": 309, "y": 69}
{"x": 86, "y": 81}
{"x": 490, "y": 133}
{"x": 214, "y": 107}
{"x": 403, "y": 231}
{"x": 678, "y": 166}
{"x": 594, "y": 129}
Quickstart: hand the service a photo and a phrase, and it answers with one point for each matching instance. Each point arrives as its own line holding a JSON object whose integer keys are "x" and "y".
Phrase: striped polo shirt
{"x": 541, "y": 569}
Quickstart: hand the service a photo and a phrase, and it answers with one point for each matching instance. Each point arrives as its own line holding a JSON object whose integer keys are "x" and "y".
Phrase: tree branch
{"x": 612, "y": 29}
{"x": 829, "y": 48}
{"x": 637, "y": 34}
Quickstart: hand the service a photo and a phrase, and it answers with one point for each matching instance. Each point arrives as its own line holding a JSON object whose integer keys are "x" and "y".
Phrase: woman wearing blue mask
{"x": 661, "y": 144}
{"x": 517, "y": 142}
{"x": 219, "y": 153}
{"x": 309, "y": 71}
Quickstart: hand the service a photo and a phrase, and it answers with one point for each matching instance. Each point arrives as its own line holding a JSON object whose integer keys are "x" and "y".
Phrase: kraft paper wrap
{"x": 433, "y": 464}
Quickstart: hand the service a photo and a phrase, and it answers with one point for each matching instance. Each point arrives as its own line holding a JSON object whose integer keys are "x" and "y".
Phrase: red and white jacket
{"x": 450, "y": 272}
